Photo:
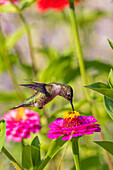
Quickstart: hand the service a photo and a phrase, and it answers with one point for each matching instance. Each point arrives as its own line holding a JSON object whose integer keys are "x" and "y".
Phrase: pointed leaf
{"x": 8, "y": 8}
{"x": 12, "y": 39}
{"x": 11, "y": 158}
{"x": 111, "y": 44}
{"x": 2, "y": 133}
{"x": 109, "y": 106}
{"x": 35, "y": 155}
{"x": 35, "y": 152}
{"x": 26, "y": 3}
{"x": 110, "y": 78}
{"x": 30, "y": 157}
{"x": 26, "y": 157}
{"x": 2, "y": 140}
{"x": 101, "y": 88}
{"x": 53, "y": 149}
{"x": 108, "y": 146}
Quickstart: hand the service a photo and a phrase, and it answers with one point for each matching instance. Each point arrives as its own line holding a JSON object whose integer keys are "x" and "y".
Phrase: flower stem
{"x": 34, "y": 66}
{"x": 65, "y": 149}
{"x": 9, "y": 156}
{"x": 75, "y": 149}
{"x": 82, "y": 67}
{"x": 12, "y": 76}
{"x": 78, "y": 46}
{"x": 95, "y": 110}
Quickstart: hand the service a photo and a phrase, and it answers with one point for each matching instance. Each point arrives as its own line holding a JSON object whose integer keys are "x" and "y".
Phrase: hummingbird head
{"x": 67, "y": 92}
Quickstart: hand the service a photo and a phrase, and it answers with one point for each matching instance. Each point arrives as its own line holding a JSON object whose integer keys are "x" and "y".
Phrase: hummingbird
{"x": 48, "y": 92}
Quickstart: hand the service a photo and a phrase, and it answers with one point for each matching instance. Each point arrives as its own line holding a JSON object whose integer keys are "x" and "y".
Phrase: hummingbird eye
{"x": 69, "y": 95}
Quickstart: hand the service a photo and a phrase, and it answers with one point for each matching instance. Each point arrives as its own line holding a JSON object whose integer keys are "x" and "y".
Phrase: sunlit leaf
{"x": 2, "y": 133}
{"x": 107, "y": 145}
{"x": 110, "y": 78}
{"x": 8, "y": 8}
{"x": 26, "y": 3}
{"x": 109, "y": 106}
{"x": 12, "y": 39}
{"x": 11, "y": 158}
{"x": 111, "y": 44}
{"x": 101, "y": 88}
{"x": 53, "y": 149}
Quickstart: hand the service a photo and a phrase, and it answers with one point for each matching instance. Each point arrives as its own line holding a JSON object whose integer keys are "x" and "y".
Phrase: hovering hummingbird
{"x": 49, "y": 92}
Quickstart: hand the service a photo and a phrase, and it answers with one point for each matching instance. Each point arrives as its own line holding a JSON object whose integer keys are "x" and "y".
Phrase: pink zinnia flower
{"x": 20, "y": 123}
{"x": 44, "y": 5}
{"x": 72, "y": 126}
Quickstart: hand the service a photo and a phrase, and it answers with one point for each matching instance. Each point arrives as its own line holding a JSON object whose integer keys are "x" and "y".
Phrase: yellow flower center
{"x": 20, "y": 114}
{"x": 71, "y": 114}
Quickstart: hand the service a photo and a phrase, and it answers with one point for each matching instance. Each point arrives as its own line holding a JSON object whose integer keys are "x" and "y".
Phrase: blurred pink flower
{"x": 44, "y": 5}
{"x": 6, "y": 2}
{"x": 72, "y": 126}
{"x": 20, "y": 123}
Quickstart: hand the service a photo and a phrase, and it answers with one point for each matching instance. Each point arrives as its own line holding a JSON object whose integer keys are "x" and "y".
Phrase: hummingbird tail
{"x": 22, "y": 105}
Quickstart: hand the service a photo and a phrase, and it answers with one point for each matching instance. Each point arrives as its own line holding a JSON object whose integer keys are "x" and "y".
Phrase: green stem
{"x": 44, "y": 163}
{"x": 34, "y": 66}
{"x": 9, "y": 156}
{"x": 75, "y": 149}
{"x": 78, "y": 46}
{"x": 96, "y": 111}
{"x": 65, "y": 149}
{"x": 12, "y": 76}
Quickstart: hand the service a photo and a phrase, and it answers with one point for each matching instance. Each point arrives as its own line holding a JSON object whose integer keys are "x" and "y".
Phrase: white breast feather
{"x": 56, "y": 88}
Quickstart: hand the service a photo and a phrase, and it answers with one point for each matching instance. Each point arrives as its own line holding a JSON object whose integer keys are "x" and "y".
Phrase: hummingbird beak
{"x": 72, "y": 106}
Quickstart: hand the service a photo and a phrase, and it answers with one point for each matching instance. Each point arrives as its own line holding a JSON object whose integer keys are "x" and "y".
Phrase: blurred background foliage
{"x": 56, "y": 61}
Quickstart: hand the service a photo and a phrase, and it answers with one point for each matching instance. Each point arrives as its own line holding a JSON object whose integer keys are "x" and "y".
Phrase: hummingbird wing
{"x": 39, "y": 87}
{"x": 27, "y": 102}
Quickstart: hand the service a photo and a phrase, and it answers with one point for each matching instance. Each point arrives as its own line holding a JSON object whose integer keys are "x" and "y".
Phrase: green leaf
{"x": 10, "y": 157}
{"x": 101, "y": 88}
{"x": 109, "y": 106}
{"x": 64, "y": 64}
{"x": 27, "y": 69}
{"x": 12, "y": 39}
{"x": 107, "y": 145}
{"x": 53, "y": 149}
{"x": 26, "y": 3}
{"x": 111, "y": 44}
{"x": 36, "y": 142}
{"x": 2, "y": 133}
{"x": 90, "y": 16}
{"x": 8, "y": 97}
{"x": 90, "y": 162}
{"x": 8, "y": 8}
{"x": 35, "y": 152}
{"x": 30, "y": 156}
{"x": 26, "y": 157}
{"x": 110, "y": 79}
